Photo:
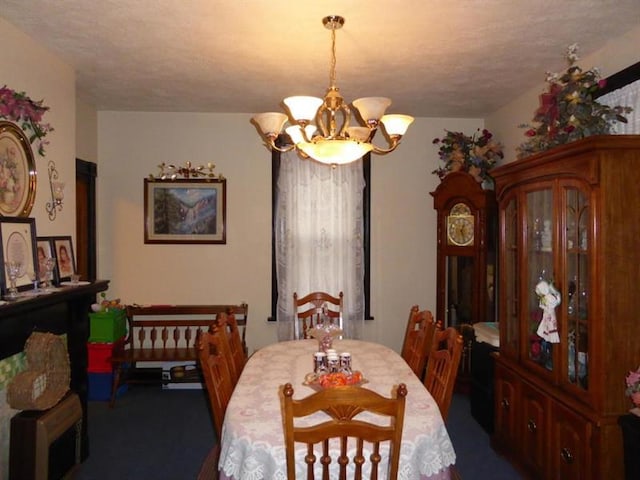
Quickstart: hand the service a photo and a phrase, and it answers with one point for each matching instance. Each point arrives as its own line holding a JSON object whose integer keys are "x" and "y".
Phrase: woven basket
{"x": 46, "y": 378}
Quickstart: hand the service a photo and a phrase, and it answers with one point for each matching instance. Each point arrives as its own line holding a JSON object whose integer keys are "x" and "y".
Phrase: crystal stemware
{"x": 13, "y": 272}
{"x": 33, "y": 278}
{"x": 46, "y": 276}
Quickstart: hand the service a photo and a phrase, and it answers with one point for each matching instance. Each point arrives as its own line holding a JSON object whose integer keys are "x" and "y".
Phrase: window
{"x": 366, "y": 200}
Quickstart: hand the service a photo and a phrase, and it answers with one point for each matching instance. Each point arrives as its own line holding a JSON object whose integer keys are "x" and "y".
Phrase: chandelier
{"x": 319, "y": 127}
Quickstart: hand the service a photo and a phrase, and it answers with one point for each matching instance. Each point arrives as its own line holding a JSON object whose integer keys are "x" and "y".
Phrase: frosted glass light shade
{"x": 361, "y": 134}
{"x": 270, "y": 122}
{"x": 295, "y": 132}
{"x": 396, "y": 124}
{"x": 372, "y": 108}
{"x": 303, "y": 108}
{"x": 335, "y": 152}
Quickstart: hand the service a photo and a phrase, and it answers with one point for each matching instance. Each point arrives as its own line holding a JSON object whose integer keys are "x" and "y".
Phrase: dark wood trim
{"x": 275, "y": 169}
{"x": 366, "y": 212}
{"x": 620, "y": 79}
{"x": 87, "y": 172}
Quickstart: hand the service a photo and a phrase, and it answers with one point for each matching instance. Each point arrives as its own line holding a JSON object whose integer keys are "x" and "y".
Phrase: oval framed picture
{"x": 17, "y": 172}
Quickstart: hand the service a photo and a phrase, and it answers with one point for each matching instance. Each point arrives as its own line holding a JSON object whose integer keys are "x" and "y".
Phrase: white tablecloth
{"x": 252, "y": 442}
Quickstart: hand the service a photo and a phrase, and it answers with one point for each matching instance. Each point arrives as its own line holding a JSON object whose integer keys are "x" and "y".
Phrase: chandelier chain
{"x": 332, "y": 74}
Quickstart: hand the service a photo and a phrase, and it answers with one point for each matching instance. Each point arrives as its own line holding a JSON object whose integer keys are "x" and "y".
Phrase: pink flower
{"x": 633, "y": 378}
{"x": 536, "y": 349}
{"x": 19, "y": 108}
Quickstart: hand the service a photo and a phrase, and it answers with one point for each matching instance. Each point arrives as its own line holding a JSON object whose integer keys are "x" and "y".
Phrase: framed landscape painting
{"x": 185, "y": 211}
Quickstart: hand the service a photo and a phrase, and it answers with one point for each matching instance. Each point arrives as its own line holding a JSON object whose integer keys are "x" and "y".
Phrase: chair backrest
{"x": 418, "y": 339}
{"x": 216, "y": 375}
{"x": 240, "y": 313}
{"x": 228, "y": 327}
{"x": 342, "y": 404}
{"x": 442, "y": 367}
{"x": 310, "y": 309}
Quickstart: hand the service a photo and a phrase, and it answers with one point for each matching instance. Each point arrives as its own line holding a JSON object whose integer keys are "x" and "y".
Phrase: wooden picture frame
{"x": 18, "y": 239}
{"x": 17, "y": 172}
{"x": 185, "y": 211}
{"x": 65, "y": 260}
{"x": 44, "y": 249}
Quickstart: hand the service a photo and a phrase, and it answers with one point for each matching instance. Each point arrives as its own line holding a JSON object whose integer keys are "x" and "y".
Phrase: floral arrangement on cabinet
{"x": 568, "y": 111}
{"x": 632, "y": 382}
{"x": 475, "y": 154}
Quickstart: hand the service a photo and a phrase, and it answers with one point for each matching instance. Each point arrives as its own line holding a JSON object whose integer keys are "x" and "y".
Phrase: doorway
{"x": 86, "y": 251}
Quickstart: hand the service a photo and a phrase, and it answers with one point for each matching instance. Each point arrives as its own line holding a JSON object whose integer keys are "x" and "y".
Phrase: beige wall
{"x": 86, "y": 132}
{"x": 129, "y": 146}
{"x": 403, "y": 223}
{"x": 29, "y": 67}
{"x": 618, "y": 53}
{"x": 133, "y": 144}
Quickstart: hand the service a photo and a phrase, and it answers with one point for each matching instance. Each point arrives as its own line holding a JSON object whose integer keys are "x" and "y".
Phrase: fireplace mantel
{"x": 65, "y": 311}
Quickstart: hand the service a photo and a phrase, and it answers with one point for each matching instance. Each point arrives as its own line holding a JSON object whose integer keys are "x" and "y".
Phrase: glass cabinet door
{"x": 539, "y": 254}
{"x": 576, "y": 293}
{"x": 511, "y": 280}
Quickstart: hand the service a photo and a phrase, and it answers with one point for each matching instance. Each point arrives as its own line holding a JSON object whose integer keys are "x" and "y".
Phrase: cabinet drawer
{"x": 570, "y": 454}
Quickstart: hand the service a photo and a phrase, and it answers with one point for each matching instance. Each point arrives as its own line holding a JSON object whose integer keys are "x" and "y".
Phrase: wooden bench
{"x": 164, "y": 333}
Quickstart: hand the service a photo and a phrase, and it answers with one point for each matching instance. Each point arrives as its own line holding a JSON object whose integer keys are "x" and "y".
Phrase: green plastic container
{"x": 107, "y": 326}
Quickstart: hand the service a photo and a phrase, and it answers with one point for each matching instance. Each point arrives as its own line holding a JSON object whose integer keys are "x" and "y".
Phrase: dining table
{"x": 252, "y": 438}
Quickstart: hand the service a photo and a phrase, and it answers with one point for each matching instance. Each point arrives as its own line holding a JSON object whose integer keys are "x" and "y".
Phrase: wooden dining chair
{"x": 418, "y": 339}
{"x": 232, "y": 345}
{"x": 310, "y": 309}
{"x": 442, "y": 367}
{"x": 215, "y": 370}
{"x": 216, "y": 373}
{"x": 342, "y": 404}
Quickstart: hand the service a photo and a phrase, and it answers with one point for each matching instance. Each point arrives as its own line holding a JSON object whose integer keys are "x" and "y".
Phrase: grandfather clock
{"x": 466, "y": 257}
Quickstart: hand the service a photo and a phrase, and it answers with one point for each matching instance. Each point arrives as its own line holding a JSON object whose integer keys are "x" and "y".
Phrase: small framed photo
{"x": 44, "y": 248}
{"x": 18, "y": 237}
{"x": 185, "y": 211}
{"x": 65, "y": 260}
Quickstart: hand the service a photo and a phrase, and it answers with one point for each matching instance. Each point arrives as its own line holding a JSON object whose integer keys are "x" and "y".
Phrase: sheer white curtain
{"x": 627, "y": 96}
{"x": 319, "y": 238}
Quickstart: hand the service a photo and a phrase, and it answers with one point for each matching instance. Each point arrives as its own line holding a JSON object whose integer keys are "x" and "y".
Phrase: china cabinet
{"x": 571, "y": 217}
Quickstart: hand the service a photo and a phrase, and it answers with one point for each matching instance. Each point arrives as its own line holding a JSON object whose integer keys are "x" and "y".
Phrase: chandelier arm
{"x": 346, "y": 111}
{"x": 273, "y": 146}
{"x": 320, "y": 122}
{"x": 393, "y": 144}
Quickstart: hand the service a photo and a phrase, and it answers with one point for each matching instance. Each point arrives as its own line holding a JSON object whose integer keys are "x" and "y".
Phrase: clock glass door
{"x": 459, "y": 292}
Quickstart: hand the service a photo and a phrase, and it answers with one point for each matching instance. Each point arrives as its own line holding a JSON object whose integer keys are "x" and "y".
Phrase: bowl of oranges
{"x": 335, "y": 379}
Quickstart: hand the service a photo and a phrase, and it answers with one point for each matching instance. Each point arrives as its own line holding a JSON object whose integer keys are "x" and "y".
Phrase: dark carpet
{"x": 165, "y": 435}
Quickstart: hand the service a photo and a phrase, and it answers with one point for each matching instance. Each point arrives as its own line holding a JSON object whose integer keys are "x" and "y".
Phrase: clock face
{"x": 460, "y": 230}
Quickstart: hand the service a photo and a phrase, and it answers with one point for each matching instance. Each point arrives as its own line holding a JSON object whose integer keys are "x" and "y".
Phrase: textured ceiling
{"x": 456, "y": 58}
